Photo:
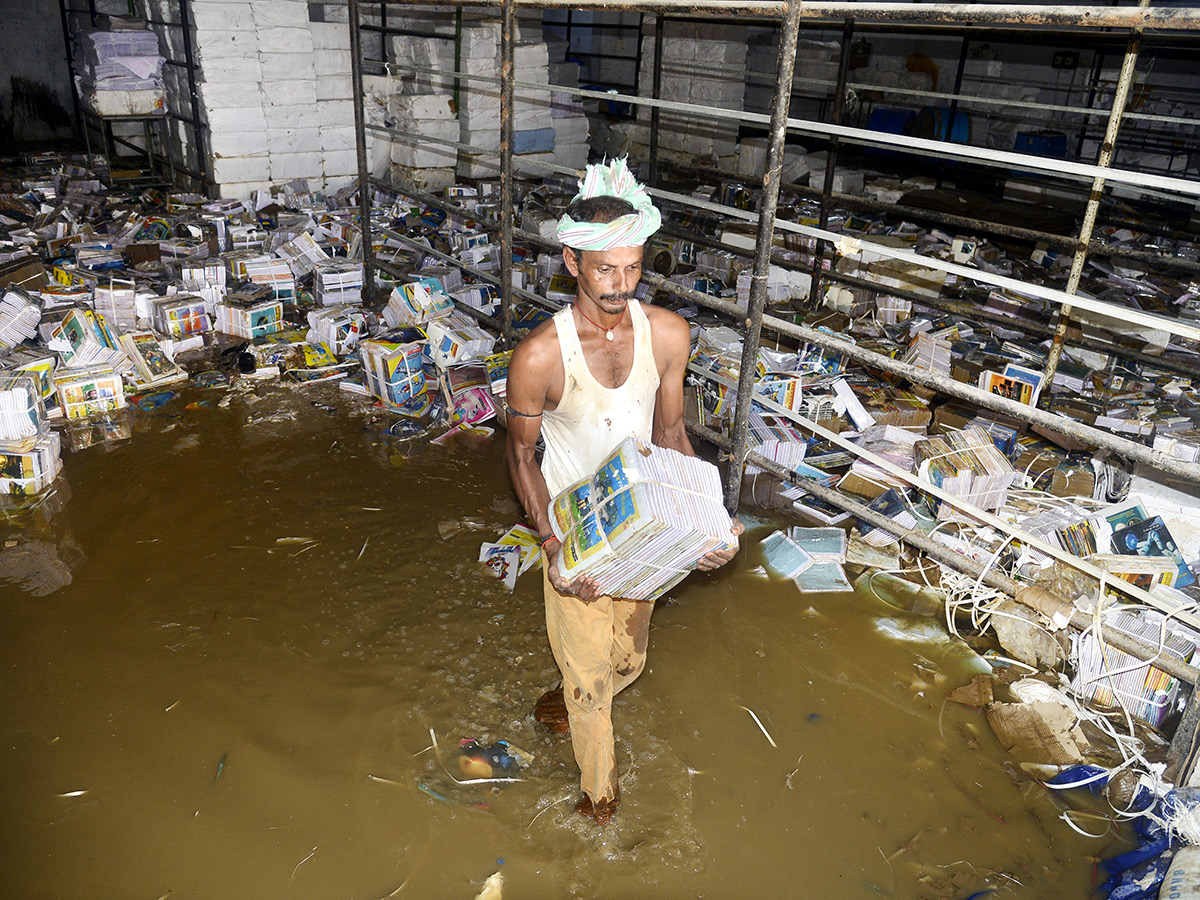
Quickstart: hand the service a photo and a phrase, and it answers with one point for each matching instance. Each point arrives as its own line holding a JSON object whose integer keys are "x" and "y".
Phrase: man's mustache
{"x": 620, "y": 295}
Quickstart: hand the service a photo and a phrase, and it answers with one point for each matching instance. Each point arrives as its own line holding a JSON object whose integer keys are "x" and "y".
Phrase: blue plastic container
{"x": 1042, "y": 143}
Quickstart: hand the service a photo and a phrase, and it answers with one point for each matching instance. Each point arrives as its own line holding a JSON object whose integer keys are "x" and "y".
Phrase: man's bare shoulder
{"x": 537, "y": 351}
{"x": 669, "y": 329}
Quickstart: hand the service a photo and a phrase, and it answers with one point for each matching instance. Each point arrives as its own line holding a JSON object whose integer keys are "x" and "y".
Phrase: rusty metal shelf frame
{"x": 791, "y": 14}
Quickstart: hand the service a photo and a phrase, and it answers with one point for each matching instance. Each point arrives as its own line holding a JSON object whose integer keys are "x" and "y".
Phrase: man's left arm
{"x": 672, "y": 348}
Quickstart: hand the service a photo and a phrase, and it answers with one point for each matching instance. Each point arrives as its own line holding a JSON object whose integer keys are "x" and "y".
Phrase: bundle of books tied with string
{"x": 642, "y": 522}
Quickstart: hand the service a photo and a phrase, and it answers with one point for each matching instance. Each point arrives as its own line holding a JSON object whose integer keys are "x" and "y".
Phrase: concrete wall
{"x": 35, "y": 87}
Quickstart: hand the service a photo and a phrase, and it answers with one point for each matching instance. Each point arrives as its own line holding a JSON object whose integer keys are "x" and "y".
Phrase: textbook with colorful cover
{"x": 642, "y": 522}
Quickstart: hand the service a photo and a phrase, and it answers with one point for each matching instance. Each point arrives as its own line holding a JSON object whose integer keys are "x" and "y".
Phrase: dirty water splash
{"x": 273, "y": 604}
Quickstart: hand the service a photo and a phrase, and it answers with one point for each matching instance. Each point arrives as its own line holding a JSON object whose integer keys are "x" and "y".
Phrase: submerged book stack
{"x": 341, "y": 327}
{"x": 30, "y": 471}
{"x": 642, "y": 522}
{"x": 966, "y": 464}
{"x": 89, "y": 391}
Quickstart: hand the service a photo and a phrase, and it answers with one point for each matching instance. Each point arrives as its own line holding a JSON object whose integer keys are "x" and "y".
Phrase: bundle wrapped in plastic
{"x": 642, "y": 522}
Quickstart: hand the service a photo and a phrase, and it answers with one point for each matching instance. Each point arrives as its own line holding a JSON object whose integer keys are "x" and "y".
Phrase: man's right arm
{"x": 528, "y": 382}
{"x": 530, "y": 372}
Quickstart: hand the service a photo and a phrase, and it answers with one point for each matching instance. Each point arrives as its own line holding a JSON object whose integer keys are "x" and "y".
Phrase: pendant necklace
{"x": 608, "y": 332}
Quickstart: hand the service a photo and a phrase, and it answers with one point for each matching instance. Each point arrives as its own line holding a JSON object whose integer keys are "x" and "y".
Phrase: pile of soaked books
{"x": 642, "y": 522}
{"x": 966, "y": 464}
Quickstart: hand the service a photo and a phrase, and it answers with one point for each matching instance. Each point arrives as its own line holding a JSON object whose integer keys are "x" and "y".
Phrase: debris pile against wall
{"x": 113, "y": 300}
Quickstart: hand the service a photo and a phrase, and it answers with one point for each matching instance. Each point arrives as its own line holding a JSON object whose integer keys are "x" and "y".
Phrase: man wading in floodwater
{"x": 603, "y": 369}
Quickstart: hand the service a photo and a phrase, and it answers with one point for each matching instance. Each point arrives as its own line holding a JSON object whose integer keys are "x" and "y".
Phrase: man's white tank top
{"x": 592, "y": 419}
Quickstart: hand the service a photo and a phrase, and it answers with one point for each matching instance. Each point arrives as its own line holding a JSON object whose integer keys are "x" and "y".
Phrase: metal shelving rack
{"x": 161, "y": 165}
{"x": 847, "y": 16}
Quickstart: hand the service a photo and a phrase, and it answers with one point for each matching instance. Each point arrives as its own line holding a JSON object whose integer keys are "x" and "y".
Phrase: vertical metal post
{"x": 1086, "y": 122}
{"x": 80, "y": 125}
{"x": 958, "y": 80}
{"x": 656, "y": 93}
{"x": 839, "y": 105}
{"x": 1107, "y": 149}
{"x": 360, "y": 141}
{"x": 788, "y": 36}
{"x": 458, "y": 13}
{"x": 384, "y": 42}
{"x": 198, "y": 128}
{"x": 508, "y": 27}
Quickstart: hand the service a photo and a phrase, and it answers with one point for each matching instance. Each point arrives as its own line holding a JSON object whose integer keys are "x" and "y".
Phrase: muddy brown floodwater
{"x": 233, "y": 698}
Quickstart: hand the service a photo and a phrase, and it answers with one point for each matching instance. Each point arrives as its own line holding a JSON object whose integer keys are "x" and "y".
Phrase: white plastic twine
{"x": 596, "y": 506}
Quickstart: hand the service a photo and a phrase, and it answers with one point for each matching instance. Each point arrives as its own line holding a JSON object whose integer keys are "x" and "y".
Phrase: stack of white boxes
{"x": 418, "y": 161}
{"x": 275, "y": 92}
{"x": 571, "y": 126}
{"x": 479, "y": 103}
{"x": 703, "y": 64}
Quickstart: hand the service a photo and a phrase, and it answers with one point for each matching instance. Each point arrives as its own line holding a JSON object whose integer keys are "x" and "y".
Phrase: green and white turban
{"x": 611, "y": 179}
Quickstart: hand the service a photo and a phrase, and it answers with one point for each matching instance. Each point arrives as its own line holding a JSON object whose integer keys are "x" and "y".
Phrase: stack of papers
{"x": 40, "y": 365}
{"x": 116, "y": 301}
{"x": 417, "y": 303}
{"x": 179, "y": 316}
{"x": 151, "y": 366}
{"x": 83, "y": 338}
{"x": 19, "y": 317}
{"x": 302, "y": 254}
{"x": 497, "y": 372}
{"x": 468, "y": 399}
{"x": 966, "y": 464}
{"x": 89, "y": 391}
{"x": 456, "y": 338}
{"x": 275, "y": 274}
{"x": 642, "y": 522}
{"x": 28, "y": 472}
{"x": 393, "y": 368}
{"x": 338, "y": 281}
{"x": 249, "y": 319}
{"x": 341, "y": 327}
{"x": 22, "y": 412}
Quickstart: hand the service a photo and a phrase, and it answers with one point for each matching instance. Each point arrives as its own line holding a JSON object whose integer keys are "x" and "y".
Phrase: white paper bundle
{"x": 457, "y": 338}
{"x": 249, "y": 319}
{"x": 22, "y": 412}
{"x": 83, "y": 338}
{"x": 393, "y": 370}
{"x": 275, "y": 274}
{"x": 416, "y": 303}
{"x": 117, "y": 302}
{"x": 341, "y": 327}
{"x": 642, "y": 522}
{"x": 19, "y": 317}
{"x": 338, "y": 281}
{"x": 180, "y": 316}
{"x": 302, "y": 254}
{"x": 966, "y": 464}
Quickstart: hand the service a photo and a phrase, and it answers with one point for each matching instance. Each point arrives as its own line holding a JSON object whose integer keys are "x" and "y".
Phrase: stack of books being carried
{"x": 642, "y": 522}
